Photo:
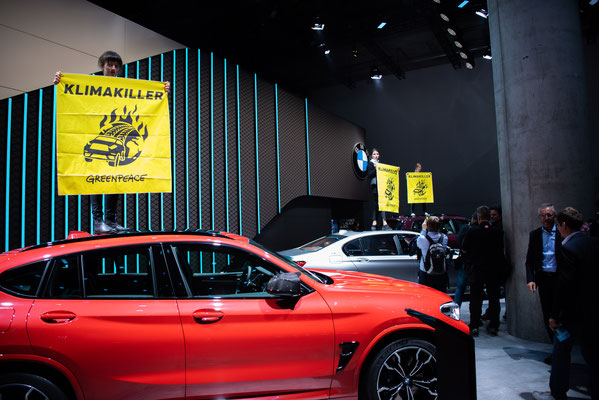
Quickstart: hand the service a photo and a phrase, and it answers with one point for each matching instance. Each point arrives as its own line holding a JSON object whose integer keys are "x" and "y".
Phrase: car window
{"x": 222, "y": 271}
{"x": 447, "y": 227}
{"x": 403, "y": 242}
{"x": 118, "y": 272}
{"x": 458, "y": 224}
{"x": 379, "y": 245}
{"x": 23, "y": 281}
{"x": 321, "y": 242}
{"x": 64, "y": 281}
{"x": 353, "y": 248}
{"x": 417, "y": 225}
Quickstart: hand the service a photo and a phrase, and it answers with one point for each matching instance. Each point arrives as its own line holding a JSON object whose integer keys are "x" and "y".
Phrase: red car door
{"x": 119, "y": 340}
{"x": 242, "y": 342}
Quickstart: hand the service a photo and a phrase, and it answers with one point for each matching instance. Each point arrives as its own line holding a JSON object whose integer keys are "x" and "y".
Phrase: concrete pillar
{"x": 542, "y": 122}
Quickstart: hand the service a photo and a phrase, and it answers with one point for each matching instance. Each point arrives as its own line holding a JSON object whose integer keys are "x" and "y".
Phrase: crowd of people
{"x": 561, "y": 265}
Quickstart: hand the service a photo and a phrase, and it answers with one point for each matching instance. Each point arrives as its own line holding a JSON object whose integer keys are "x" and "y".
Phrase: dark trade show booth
{"x": 244, "y": 152}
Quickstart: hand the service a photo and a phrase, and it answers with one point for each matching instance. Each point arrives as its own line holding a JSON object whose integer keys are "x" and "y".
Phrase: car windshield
{"x": 292, "y": 264}
{"x": 321, "y": 243}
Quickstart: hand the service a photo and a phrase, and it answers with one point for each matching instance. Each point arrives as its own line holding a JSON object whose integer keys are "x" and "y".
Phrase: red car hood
{"x": 371, "y": 282}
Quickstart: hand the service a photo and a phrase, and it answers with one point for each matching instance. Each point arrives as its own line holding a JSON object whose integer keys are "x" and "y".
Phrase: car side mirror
{"x": 287, "y": 284}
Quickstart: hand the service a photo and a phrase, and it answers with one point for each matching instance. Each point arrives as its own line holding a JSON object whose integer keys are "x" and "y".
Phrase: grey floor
{"x": 511, "y": 368}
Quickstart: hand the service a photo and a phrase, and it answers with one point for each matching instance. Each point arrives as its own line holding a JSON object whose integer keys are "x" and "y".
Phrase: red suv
{"x": 450, "y": 225}
{"x": 190, "y": 315}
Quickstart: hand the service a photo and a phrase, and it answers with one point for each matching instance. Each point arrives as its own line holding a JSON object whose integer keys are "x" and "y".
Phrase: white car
{"x": 375, "y": 252}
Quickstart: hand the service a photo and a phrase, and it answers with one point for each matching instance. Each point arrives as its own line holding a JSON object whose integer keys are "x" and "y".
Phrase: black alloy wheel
{"x": 20, "y": 386}
{"x": 405, "y": 369}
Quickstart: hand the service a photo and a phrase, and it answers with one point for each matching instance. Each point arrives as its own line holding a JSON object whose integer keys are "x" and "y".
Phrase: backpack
{"x": 436, "y": 256}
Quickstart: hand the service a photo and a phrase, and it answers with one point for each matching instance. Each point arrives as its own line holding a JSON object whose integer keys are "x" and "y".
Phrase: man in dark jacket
{"x": 542, "y": 261}
{"x": 573, "y": 314}
{"x": 483, "y": 250}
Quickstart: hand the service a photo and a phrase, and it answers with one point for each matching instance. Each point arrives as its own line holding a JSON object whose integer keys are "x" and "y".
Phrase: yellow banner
{"x": 113, "y": 135}
{"x": 387, "y": 178}
{"x": 420, "y": 187}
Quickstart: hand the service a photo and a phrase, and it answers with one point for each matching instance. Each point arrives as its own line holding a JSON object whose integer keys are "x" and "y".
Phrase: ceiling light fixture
{"x": 381, "y": 25}
{"x": 463, "y": 55}
{"x": 355, "y": 53}
{"x": 470, "y": 64}
{"x": 444, "y": 17}
{"x": 375, "y": 74}
{"x": 463, "y": 3}
{"x": 327, "y": 51}
{"x": 318, "y": 27}
{"x": 458, "y": 44}
{"x": 451, "y": 31}
{"x": 437, "y": 1}
{"x": 482, "y": 13}
{"x": 487, "y": 54}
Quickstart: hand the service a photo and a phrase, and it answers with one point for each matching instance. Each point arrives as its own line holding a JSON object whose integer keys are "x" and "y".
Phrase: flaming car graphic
{"x": 119, "y": 141}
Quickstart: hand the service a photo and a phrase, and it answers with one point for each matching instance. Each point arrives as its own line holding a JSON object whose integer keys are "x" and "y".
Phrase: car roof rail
{"x": 79, "y": 236}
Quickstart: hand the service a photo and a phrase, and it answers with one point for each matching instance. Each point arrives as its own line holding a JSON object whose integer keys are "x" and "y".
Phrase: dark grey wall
{"x": 242, "y": 150}
{"x": 445, "y": 119}
{"x": 441, "y": 117}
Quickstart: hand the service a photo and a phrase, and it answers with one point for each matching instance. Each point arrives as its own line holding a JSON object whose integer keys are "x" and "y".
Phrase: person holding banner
{"x": 413, "y": 205}
{"x": 111, "y": 63}
{"x": 378, "y": 217}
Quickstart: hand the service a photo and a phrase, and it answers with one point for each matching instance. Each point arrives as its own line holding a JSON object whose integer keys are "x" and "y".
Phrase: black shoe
{"x": 101, "y": 227}
{"x": 492, "y": 330}
{"x": 474, "y": 332}
{"x": 115, "y": 227}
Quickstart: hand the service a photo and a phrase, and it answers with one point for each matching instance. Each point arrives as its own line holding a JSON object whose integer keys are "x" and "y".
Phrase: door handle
{"x": 362, "y": 259}
{"x": 207, "y": 316}
{"x": 58, "y": 317}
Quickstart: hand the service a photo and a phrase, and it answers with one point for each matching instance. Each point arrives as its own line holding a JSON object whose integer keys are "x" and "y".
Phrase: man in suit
{"x": 542, "y": 262}
{"x": 483, "y": 250}
{"x": 574, "y": 315}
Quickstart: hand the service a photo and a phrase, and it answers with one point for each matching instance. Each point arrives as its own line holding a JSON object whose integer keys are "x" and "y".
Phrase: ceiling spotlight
{"x": 437, "y": 1}
{"x": 463, "y": 3}
{"x": 381, "y": 25}
{"x": 317, "y": 26}
{"x": 444, "y": 17}
{"x": 470, "y": 64}
{"x": 375, "y": 73}
{"x": 482, "y": 13}
{"x": 487, "y": 54}
{"x": 451, "y": 31}
{"x": 463, "y": 55}
{"x": 354, "y": 53}
{"x": 327, "y": 51}
{"x": 458, "y": 44}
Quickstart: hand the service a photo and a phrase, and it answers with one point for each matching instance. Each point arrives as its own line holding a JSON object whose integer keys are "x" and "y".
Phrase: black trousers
{"x": 546, "y": 286}
{"x": 485, "y": 277}
{"x": 376, "y": 215}
{"x": 111, "y": 201}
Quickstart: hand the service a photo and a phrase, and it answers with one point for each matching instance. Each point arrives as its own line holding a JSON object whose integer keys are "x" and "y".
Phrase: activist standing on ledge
{"x": 111, "y": 64}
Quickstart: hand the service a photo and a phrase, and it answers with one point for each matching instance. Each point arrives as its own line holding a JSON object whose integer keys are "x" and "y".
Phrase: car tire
{"x": 404, "y": 369}
{"x": 27, "y": 386}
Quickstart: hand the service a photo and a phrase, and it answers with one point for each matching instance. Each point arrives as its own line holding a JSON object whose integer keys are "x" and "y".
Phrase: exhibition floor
{"x": 511, "y": 368}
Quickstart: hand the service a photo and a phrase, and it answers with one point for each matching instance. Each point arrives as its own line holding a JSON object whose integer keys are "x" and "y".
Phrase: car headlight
{"x": 451, "y": 309}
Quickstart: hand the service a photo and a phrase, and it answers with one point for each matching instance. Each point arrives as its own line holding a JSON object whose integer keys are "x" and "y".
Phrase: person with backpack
{"x": 483, "y": 250}
{"x": 433, "y": 262}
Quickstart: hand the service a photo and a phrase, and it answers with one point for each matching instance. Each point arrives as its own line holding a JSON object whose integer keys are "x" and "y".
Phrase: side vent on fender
{"x": 347, "y": 352}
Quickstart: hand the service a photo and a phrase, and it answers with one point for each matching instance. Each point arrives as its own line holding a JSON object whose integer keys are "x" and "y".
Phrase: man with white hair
{"x": 544, "y": 246}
